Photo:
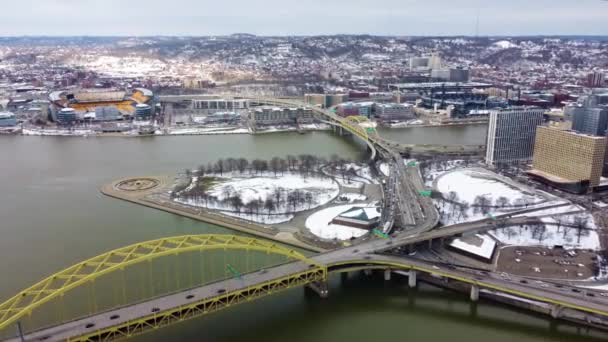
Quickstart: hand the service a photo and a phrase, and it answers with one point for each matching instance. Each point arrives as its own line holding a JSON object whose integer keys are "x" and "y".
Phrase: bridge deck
{"x": 347, "y": 257}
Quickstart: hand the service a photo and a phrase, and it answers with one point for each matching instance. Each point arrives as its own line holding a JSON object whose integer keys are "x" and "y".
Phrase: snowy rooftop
{"x": 479, "y": 245}
{"x": 6, "y": 115}
{"x": 361, "y": 213}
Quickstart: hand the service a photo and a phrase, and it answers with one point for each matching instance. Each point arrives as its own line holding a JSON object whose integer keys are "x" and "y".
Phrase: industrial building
{"x": 222, "y": 118}
{"x": 511, "y": 134}
{"x": 425, "y": 63}
{"x": 266, "y": 116}
{"x": 568, "y": 160}
{"x": 355, "y": 109}
{"x": 219, "y": 105}
{"x": 451, "y": 74}
{"x": 391, "y": 112}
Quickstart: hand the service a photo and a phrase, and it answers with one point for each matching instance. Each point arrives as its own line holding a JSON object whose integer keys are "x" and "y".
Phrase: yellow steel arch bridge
{"x": 26, "y": 302}
{"x": 156, "y": 312}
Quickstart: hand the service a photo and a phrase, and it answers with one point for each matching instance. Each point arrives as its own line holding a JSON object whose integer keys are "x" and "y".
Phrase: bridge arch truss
{"x": 58, "y": 284}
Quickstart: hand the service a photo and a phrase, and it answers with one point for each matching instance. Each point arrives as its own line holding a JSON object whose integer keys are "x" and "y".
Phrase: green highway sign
{"x": 425, "y": 193}
{"x": 380, "y": 234}
{"x": 234, "y": 272}
{"x": 412, "y": 164}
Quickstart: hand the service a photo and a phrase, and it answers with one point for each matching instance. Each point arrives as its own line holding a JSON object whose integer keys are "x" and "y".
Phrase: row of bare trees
{"x": 303, "y": 163}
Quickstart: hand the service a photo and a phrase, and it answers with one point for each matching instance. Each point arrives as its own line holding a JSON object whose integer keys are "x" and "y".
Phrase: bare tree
{"x": 482, "y": 204}
{"x": 219, "y": 166}
{"x": 278, "y": 196}
{"x": 559, "y": 221}
{"x": 292, "y": 200}
{"x": 236, "y": 202}
{"x": 502, "y": 202}
{"x": 308, "y": 198}
{"x": 350, "y": 174}
{"x": 269, "y": 205}
{"x": 242, "y": 164}
{"x": 581, "y": 226}
{"x": 463, "y": 210}
{"x": 538, "y": 231}
{"x": 292, "y": 162}
{"x": 275, "y": 165}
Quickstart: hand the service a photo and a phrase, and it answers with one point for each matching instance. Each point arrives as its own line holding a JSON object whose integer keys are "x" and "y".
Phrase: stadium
{"x": 106, "y": 105}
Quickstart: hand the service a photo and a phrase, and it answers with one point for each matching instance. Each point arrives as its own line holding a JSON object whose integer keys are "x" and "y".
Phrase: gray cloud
{"x": 285, "y": 17}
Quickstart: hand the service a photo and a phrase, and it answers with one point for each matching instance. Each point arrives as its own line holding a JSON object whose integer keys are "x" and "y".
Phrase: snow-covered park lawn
{"x": 320, "y": 224}
{"x": 313, "y": 191}
{"x": 469, "y": 184}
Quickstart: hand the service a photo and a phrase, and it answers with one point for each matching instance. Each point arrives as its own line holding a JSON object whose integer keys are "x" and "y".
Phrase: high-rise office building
{"x": 511, "y": 134}
{"x": 590, "y": 120}
{"x": 596, "y": 79}
{"x": 569, "y": 160}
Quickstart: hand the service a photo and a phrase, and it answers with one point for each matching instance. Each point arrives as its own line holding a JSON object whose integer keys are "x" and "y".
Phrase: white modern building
{"x": 7, "y": 119}
{"x": 511, "y": 134}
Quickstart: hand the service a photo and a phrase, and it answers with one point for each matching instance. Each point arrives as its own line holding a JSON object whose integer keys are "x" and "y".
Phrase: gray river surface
{"x": 52, "y": 216}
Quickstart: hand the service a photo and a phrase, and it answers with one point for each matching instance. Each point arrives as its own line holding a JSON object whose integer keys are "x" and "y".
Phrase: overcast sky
{"x": 302, "y": 17}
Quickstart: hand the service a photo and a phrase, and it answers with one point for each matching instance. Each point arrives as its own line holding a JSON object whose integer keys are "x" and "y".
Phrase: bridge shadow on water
{"x": 364, "y": 308}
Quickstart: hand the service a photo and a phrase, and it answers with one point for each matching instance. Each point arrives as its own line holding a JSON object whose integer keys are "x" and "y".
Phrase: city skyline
{"x": 383, "y": 17}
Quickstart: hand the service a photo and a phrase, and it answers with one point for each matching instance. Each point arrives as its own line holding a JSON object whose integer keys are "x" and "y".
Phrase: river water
{"x": 52, "y": 216}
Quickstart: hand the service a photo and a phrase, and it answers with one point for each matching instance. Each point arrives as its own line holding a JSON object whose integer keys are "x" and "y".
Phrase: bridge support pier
{"x": 556, "y": 311}
{"x": 320, "y": 288}
{"x": 411, "y": 280}
{"x": 367, "y": 272}
{"x": 387, "y": 275}
{"x": 474, "y": 293}
{"x": 343, "y": 277}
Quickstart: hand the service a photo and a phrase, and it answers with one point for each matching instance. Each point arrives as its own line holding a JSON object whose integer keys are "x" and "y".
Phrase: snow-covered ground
{"x": 469, "y": 184}
{"x": 289, "y": 128}
{"x": 57, "y": 132}
{"x": 321, "y": 189}
{"x": 385, "y": 169}
{"x": 480, "y": 245}
{"x": 436, "y": 169}
{"x": 320, "y": 225}
{"x": 207, "y": 130}
{"x": 559, "y": 228}
{"x": 547, "y": 236}
{"x": 558, "y": 222}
